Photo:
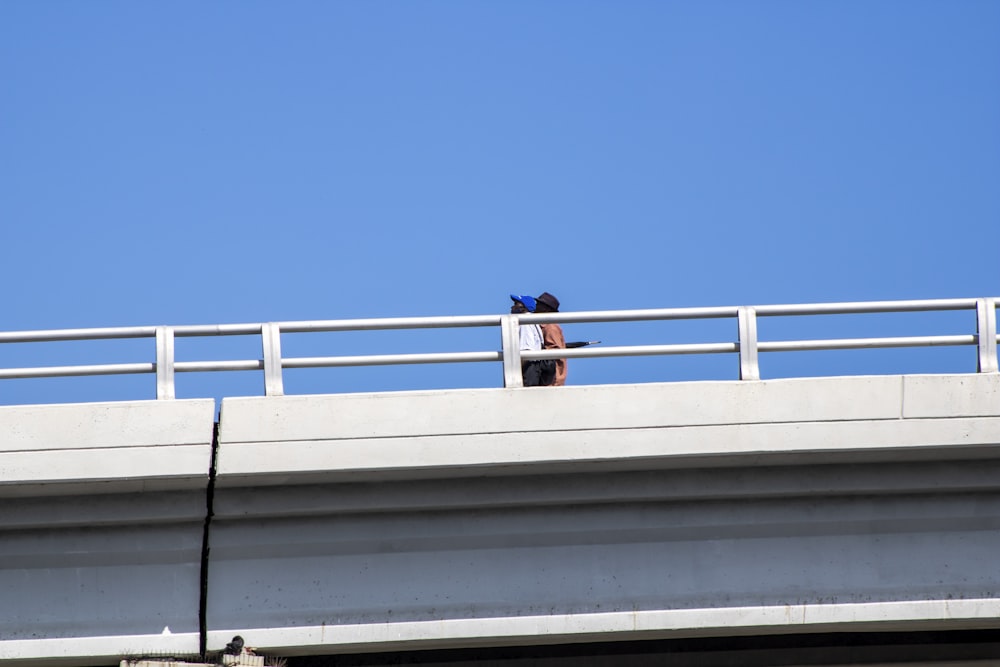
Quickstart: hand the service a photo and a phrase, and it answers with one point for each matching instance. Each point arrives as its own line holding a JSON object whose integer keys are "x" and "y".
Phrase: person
{"x": 536, "y": 372}
{"x": 552, "y": 335}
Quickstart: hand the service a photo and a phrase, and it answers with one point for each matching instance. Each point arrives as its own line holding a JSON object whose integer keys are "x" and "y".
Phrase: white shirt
{"x": 531, "y": 337}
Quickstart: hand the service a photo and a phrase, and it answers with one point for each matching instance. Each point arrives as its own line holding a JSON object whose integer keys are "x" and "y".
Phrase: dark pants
{"x": 538, "y": 373}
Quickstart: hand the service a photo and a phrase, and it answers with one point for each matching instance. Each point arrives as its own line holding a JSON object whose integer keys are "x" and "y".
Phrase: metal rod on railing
{"x": 71, "y": 371}
{"x": 213, "y": 366}
{"x": 164, "y": 362}
{"x": 510, "y": 346}
{"x": 192, "y": 330}
{"x": 986, "y": 332}
{"x": 76, "y": 334}
{"x": 389, "y": 323}
{"x": 860, "y": 307}
{"x": 271, "y": 340}
{"x": 864, "y": 343}
{"x": 632, "y": 351}
{"x": 390, "y": 359}
{"x": 747, "y": 325}
{"x": 631, "y": 315}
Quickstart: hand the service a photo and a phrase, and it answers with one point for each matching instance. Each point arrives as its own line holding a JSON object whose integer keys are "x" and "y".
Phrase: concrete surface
{"x": 103, "y": 512}
{"x": 409, "y": 520}
{"x": 375, "y": 522}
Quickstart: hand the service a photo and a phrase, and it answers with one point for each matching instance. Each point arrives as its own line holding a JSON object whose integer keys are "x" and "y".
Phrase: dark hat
{"x": 548, "y": 300}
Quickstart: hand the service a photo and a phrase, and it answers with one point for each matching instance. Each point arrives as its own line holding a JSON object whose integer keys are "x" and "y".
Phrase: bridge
{"x": 500, "y": 517}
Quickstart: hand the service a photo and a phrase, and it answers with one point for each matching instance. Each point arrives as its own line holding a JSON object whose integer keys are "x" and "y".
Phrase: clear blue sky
{"x": 196, "y": 163}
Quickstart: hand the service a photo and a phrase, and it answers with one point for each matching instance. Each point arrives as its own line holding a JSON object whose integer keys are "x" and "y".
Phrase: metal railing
{"x": 747, "y": 346}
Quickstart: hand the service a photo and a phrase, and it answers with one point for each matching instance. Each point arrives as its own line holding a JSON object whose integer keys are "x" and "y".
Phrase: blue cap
{"x": 528, "y": 301}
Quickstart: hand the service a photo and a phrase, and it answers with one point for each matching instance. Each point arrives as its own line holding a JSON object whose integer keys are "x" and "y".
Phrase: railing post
{"x": 271, "y": 339}
{"x": 164, "y": 363}
{"x": 747, "y": 319}
{"x": 510, "y": 340}
{"x": 986, "y": 316}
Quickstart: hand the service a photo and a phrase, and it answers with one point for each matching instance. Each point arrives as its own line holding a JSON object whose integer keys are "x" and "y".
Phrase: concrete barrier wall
{"x": 90, "y": 448}
{"x": 496, "y": 431}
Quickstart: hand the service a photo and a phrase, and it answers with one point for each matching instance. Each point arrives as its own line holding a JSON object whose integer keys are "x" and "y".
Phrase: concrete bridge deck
{"x": 359, "y": 523}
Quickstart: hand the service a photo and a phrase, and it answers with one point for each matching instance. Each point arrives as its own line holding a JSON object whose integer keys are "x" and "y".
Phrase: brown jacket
{"x": 552, "y": 337}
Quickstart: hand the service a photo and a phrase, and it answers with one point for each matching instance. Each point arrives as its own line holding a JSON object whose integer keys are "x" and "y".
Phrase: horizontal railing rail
{"x": 747, "y": 345}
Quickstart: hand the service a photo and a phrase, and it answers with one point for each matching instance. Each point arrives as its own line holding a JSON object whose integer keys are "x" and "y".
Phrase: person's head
{"x": 546, "y": 303}
{"x": 522, "y": 304}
